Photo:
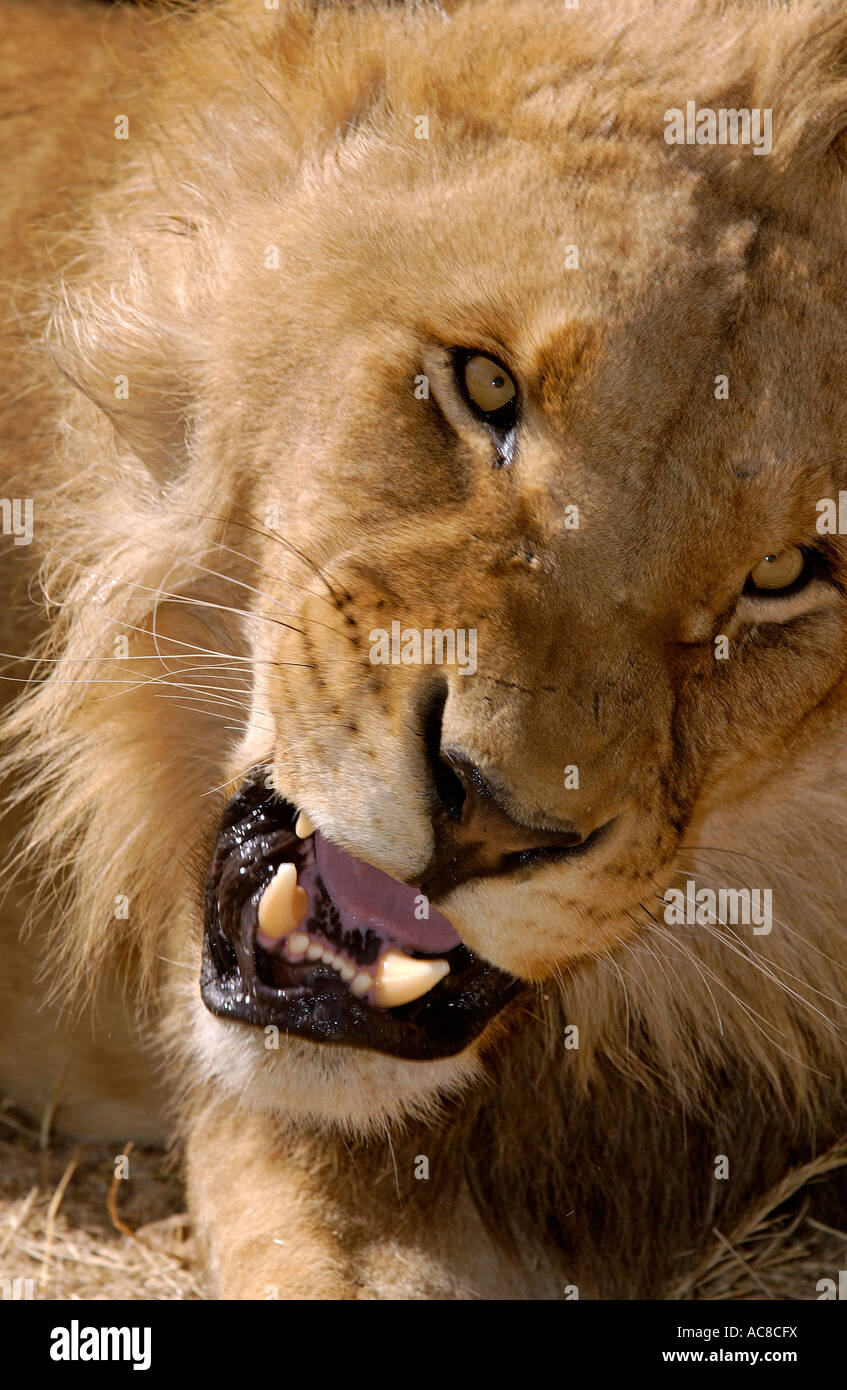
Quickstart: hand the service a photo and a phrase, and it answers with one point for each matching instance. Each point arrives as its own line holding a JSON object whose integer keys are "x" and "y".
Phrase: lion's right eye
{"x": 489, "y": 388}
{"x": 776, "y": 573}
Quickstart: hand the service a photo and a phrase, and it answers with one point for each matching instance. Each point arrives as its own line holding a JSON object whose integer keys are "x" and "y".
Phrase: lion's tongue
{"x": 374, "y": 899}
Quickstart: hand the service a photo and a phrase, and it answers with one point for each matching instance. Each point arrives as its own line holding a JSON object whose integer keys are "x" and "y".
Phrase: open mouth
{"x": 302, "y": 935}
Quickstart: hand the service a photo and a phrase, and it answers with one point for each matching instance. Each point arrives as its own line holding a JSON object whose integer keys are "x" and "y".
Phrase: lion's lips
{"x": 300, "y": 934}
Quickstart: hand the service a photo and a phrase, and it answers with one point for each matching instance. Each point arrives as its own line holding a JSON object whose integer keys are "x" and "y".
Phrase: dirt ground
{"x": 73, "y": 1229}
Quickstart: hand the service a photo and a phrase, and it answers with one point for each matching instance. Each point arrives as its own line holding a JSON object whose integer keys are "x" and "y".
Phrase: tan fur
{"x": 271, "y": 490}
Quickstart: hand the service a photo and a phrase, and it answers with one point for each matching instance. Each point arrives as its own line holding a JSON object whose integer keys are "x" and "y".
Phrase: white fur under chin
{"x": 336, "y": 1087}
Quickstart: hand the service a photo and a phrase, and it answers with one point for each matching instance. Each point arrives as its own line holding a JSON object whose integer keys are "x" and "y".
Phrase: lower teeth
{"x": 397, "y": 979}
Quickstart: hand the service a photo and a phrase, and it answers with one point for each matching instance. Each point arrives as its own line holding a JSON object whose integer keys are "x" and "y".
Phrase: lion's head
{"x": 464, "y": 497}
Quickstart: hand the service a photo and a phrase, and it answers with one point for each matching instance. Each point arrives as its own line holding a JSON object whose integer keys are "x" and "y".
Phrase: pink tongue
{"x": 373, "y": 899}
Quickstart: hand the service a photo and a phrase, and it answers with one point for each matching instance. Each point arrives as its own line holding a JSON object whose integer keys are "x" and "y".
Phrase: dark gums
{"x": 306, "y": 999}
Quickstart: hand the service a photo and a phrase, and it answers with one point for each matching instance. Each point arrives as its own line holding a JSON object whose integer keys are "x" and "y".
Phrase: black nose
{"x": 475, "y": 834}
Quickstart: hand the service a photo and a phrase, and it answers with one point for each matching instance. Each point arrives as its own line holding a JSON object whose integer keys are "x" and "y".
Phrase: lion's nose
{"x": 474, "y": 832}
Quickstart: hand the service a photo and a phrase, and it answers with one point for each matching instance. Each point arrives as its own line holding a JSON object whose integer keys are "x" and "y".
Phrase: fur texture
{"x": 270, "y": 260}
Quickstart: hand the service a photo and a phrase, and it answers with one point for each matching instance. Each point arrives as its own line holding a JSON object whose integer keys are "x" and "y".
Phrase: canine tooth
{"x": 400, "y": 979}
{"x": 283, "y": 905}
{"x": 338, "y": 962}
{"x": 361, "y": 984}
{"x": 314, "y": 952}
{"x": 327, "y": 957}
{"x": 298, "y": 943}
{"x": 346, "y": 972}
{"x": 303, "y": 827}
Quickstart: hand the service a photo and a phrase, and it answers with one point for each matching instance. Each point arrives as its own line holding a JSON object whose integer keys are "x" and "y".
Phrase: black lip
{"x": 240, "y": 980}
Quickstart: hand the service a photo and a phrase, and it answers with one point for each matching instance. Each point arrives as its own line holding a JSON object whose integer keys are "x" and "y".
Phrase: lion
{"x": 425, "y": 781}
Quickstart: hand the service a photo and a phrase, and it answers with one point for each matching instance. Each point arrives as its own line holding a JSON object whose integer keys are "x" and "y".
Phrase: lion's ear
{"x": 129, "y": 351}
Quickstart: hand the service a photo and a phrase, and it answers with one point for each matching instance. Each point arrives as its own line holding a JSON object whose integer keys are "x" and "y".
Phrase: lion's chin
{"x": 334, "y": 1087}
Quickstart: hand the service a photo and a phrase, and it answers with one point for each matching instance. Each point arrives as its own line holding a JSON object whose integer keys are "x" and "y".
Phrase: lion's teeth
{"x": 303, "y": 827}
{"x": 299, "y": 944}
{"x": 283, "y": 905}
{"x": 400, "y": 979}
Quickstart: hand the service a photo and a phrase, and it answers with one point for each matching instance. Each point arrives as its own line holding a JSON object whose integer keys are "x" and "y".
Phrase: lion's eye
{"x": 488, "y": 386}
{"x": 778, "y": 572}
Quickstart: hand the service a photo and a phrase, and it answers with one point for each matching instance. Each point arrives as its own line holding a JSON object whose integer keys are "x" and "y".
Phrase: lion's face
{"x": 521, "y": 394}
{"x": 603, "y": 535}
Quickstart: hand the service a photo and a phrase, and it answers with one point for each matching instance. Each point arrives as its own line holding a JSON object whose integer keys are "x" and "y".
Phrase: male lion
{"x": 428, "y": 634}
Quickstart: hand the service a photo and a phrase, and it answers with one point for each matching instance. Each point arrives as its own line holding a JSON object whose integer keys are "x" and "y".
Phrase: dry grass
{"x": 56, "y": 1228}
{"x": 780, "y": 1251}
{"x": 68, "y": 1225}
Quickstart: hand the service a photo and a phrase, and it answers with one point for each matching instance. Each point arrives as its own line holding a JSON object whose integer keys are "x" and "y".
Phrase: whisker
{"x": 750, "y": 961}
{"x": 805, "y": 883}
{"x": 187, "y": 599}
{"x": 607, "y": 955}
{"x": 654, "y": 928}
{"x": 283, "y": 540}
{"x": 753, "y": 1014}
{"x": 692, "y": 960}
{"x": 259, "y": 530}
{"x": 239, "y": 776}
{"x": 207, "y": 713}
{"x": 241, "y": 583}
{"x": 144, "y": 681}
{"x": 136, "y": 656}
{"x": 766, "y": 964}
{"x": 696, "y": 850}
